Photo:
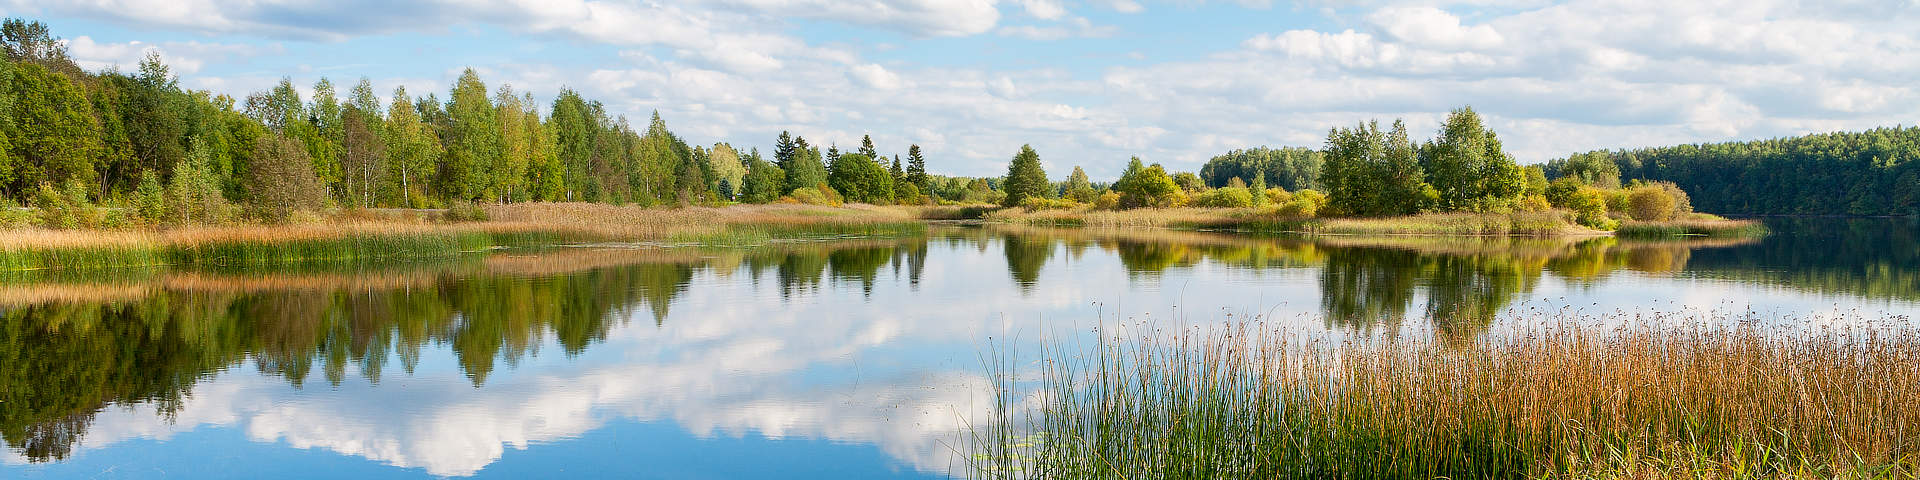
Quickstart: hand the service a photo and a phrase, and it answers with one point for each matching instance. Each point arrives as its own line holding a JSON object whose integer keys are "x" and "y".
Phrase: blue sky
{"x": 1085, "y": 82}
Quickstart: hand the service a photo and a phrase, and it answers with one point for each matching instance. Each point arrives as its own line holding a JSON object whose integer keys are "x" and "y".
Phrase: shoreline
{"x": 366, "y": 236}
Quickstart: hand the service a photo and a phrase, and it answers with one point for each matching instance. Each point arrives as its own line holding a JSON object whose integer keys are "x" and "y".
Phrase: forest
{"x": 1873, "y": 172}
{"x": 111, "y": 150}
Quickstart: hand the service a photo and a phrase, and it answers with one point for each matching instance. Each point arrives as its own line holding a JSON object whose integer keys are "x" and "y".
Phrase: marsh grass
{"x": 1662, "y": 396}
{"x": 358, "y": 237}
{"x": 1699, "y": 227}
{"x": 1248, "y": 220}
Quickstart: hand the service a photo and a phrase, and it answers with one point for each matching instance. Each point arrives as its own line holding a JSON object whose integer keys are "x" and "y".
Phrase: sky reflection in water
{"x": 825, "y": 360}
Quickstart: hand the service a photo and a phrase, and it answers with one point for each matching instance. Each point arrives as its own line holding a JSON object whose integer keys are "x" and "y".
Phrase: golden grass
{"x": 1695, "y": 395}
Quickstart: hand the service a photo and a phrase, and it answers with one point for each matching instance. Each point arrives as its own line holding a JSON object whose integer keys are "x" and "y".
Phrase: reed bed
{"x": 1669, "y": 395}
{"x": 1527, "y": 224}
{"x": 1697, "y": 227}
{"x": 360, "y": 237}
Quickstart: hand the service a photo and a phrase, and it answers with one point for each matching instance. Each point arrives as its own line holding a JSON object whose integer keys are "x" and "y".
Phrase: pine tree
{"x": 866, "y": 147}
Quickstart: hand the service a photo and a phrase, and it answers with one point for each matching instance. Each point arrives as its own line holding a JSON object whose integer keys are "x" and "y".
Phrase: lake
{"x": 838, "y": 358}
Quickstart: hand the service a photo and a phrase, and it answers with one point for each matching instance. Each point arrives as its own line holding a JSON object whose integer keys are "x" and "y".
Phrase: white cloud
{"x": 1434, "y": 28}
{"x": 1044, "y": 9}
{"x": 874, "y": 75}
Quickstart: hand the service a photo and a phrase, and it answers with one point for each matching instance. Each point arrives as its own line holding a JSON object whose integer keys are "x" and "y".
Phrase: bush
{"x": 464, "y": 212}
{"x": 818, "y": 195}
{"x": 1617, "y": 201}
{"x": 1107, "y": 201}
{"x": 1650, "y": 203}
{"x": 1304, "y": 204}
{"x": 63, "y": 208}
{"x": 282, "y": 182}
{"x": 1535, "y": 203}
{"x": 1032, "y": 204}
{"x": 1589, "y": 207}
{"x": 149, "y": 199}
{"x": 1277, "y": 195}
{"x": 1560, "y": 193}
{"x": 12, "y": 216}
{"x": 1227, "y": 197}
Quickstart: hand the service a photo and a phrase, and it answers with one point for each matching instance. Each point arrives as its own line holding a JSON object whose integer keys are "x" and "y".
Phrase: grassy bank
{"x": 361, "y": 237}
{"x": 1664, "y": 397}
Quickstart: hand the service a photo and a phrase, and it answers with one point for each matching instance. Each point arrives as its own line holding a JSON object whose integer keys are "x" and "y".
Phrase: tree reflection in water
{"x": 70, "y": 348}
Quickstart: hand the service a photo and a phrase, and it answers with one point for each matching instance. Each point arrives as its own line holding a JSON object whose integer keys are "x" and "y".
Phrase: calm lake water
{"x": 855, "y": 358}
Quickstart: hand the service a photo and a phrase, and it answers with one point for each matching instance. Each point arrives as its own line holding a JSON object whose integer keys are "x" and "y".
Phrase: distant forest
{"x": 1874, "y": 172}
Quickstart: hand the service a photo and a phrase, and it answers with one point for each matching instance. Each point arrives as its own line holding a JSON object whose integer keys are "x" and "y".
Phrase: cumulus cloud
{"x": 875, "y": 76}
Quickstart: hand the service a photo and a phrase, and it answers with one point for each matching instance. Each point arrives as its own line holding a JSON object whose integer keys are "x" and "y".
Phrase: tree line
{"x": 1872, "y": 172}
{"x": 71, "y": 140}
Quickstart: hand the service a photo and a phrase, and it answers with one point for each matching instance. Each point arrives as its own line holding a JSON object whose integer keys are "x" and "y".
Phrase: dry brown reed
{"x": 1624, "y": 395}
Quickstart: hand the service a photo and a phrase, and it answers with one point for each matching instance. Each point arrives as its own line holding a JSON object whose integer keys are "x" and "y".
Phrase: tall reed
{"x": 1668, "y": 395}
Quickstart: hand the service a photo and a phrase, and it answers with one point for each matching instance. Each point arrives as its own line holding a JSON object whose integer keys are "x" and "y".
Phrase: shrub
{"x": 1277, "y": 195}
{"x": 1305, "y": 204}
{"x": 1535, "y": 203}
{"x": 1560, "y": 193}
{"x": 1107, "y": 201}
{"x": 1227, "y": 197}
{"x": 1617, "y": 201}
{"x": 1650, "y": 203}
{"x": 149, "y": 200}
{"x": 818, "y": 195}
{"x": 464, "y": 212}
{"x": 12, "y": 216}
{"x": 1032, "y": 204}
{"x": 1589, "y": 207}
{"x": 63, "y": 208}
{"x": 281, "y": 181}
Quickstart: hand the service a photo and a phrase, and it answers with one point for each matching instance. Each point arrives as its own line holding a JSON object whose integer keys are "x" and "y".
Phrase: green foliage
{"x": 1650, "y": 203}
{"x": 1142, "y": 186}
{"x": 1873, "y": 172}
{"x": 412, "y": 152}
{"x": 807, "y": 170}
{"x": 464, "y": 212}
{"x": 1292, "y": 168}
{"x": 1079, "y": 189}
{"x": 1259, "y": 189}
{"x": 472, "y": 139}
{"x": 53, "y": 135}
{"x": 1589, "y": 207}
{"x": 1025, "y": 178}
{"x": 1468, "y": 167}
{"x": 282, "y": 182}
{"x": 149, "y": 200}
{"x": 1560, "y": 192}
{"x": 193, "y": 194}
{"x": 1303, "y": 204}
{"x": 763, "y": 182}
{"x": 1189, "y": 182}
{"x": 1224, "y": 197}
{"x": 1594, "y": 168}
{"x": 917, "y": 169}
{"x": 861, "y": 179}
{"x": 1034, "y": 204}
{"x": 1372, "y": 173}
{"x": 66, "y": 207}
{"x": 817, "y": 195}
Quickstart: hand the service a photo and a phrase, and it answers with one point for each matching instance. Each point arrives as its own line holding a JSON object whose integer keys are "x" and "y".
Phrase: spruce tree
{"x": 866, "y": 147}
{"x": 917, "y": 169}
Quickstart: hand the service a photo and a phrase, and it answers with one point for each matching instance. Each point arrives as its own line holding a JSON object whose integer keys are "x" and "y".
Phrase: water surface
{"x": 829, "y": 359}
